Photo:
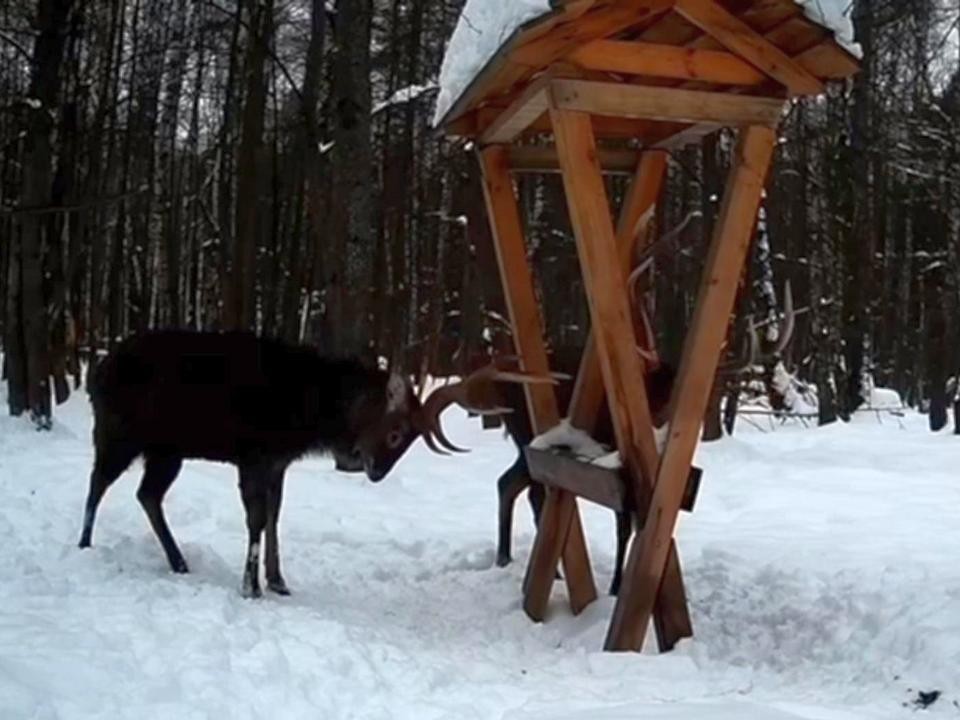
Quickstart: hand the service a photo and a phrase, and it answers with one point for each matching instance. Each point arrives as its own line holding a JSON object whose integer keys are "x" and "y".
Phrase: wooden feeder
{"x": 661, "y": 73}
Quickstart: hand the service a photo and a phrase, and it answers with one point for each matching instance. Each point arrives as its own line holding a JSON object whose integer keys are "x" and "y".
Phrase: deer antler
{"x": 784, "y": 331}
{"x": 643, "y": 329}
{"x": 477, "y": 394}
{"x": 754, "y": 356}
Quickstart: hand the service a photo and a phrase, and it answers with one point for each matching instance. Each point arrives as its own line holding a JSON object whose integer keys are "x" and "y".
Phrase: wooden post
{"x": 559, "y": 527}
{"x": 641, "y": 199}
{"x": 718, "y": 287}
{"x": 606, "y": 287}
{"x": 613, "y": 337}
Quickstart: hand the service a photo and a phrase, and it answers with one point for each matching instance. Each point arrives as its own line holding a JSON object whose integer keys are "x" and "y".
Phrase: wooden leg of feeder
{"x": 559, "y": 522}
{"x": 588, "y": 392}
{"x": 728, "y": 249}
{"x": 620, "y": 365}
{"x": 671, "y": 613}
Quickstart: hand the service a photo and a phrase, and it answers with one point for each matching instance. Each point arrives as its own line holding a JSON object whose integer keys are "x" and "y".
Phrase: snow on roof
{"x": 484, "y": 26}
{"x": 837, "y": 15}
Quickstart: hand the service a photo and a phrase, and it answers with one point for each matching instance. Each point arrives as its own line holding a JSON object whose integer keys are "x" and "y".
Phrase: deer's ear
{"x": 397, "y": 392}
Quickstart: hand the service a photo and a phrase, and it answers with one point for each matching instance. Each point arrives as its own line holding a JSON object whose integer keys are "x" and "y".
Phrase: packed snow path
{"x": 823, "y": 568}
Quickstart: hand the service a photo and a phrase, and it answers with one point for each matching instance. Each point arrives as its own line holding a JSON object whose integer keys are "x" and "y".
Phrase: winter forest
{"x": 272, "y": 165}
{"x": 350, "y": 237}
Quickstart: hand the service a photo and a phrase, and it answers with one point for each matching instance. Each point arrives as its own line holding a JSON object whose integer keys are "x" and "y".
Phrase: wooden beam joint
{"x": 738, "y": 37}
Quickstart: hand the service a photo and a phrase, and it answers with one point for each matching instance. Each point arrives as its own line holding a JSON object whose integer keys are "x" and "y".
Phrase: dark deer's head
{"x": 387, "y": 431}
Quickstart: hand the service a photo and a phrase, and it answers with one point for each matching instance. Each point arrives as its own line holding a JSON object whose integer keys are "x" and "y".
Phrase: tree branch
{"x": 50, "y": 209}
{"x": 15, "y": 44}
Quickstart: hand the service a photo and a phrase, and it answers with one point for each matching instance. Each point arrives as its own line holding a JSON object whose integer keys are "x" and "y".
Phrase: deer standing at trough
{"x": 659, "y": 379}
{"x": 516, "y": 478}
{"x": 260, "y": 405}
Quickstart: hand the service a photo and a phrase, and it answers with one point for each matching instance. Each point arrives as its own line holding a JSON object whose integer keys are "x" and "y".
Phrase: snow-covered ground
{"x": 823, "y": 568}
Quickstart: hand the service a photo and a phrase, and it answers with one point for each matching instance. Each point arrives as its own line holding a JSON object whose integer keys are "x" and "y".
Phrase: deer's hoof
{"x": 278, "y": 586}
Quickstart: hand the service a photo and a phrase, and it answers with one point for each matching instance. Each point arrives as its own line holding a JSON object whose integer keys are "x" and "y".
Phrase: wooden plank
{"x": 671, "y": 614}
{"x": 639, "y": 202}
{"x": 600, "y": 22}
{"x": 559, "y": 524}
{"x": 473, "y": 124}
{"x": 796, "y": 35}
{"x": 520, "y": 114}
{"x": 620, "y": 364}
{"x": 737, "y": 36}
{"x": 543, "y": 159}
{"x": 650, "y": 552}
{"x": 678, "y": 139}
{"x": 784, "y": 24}
{"x": 603, "y": 486}
{"x": 605, "y": 282}
{"x": 670, "y": 104}
{"x": 829, "y": 60}
{"x": 667, "y": 61}
{"x": 521, "y": 302}
{"x": 591, "y": 482}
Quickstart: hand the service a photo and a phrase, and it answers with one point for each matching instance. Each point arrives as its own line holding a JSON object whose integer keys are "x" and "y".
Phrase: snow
{"x": 821, "y": 566}
{"x": 403, "y": 95}
{"x": 837, "y": 16}
{"x": 798, "y": 397}
{"x": 612, "y": 461}
{"x": 485, "y": 25}
{"x": 884, "y": 399}
{"x": 570, "y": 438}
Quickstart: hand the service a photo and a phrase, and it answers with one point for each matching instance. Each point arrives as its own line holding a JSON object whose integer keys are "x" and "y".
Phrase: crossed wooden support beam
{"x": 611, "y": 368}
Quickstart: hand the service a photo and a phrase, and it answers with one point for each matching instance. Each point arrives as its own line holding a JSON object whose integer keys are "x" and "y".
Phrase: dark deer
{"x": 260, "y": 405}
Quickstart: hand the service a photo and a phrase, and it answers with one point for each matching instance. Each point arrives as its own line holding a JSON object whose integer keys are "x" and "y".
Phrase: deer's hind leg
{"x": 274, "y": 497}
{"x": 159, "y": 473}
{"x": 513, "y": 482}
{"x": 112, "y": 459}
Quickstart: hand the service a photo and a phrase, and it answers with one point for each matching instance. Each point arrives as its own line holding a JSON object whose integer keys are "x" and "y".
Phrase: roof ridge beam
{"x": 667, "y": 61}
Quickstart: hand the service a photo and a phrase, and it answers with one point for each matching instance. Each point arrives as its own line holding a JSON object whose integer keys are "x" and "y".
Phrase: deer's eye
{"x": 394, "y": 438}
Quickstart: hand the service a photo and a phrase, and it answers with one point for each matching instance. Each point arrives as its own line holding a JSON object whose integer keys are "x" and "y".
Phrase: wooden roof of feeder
{"x": 663, "y": 72}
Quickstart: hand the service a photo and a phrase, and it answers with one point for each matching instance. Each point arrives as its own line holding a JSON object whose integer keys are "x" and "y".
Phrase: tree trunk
{"x": 52, "y": 20}
{"x": 860, "y": 241}
{"x": 351, "y": 226}
{"x": 244, "y": 269}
